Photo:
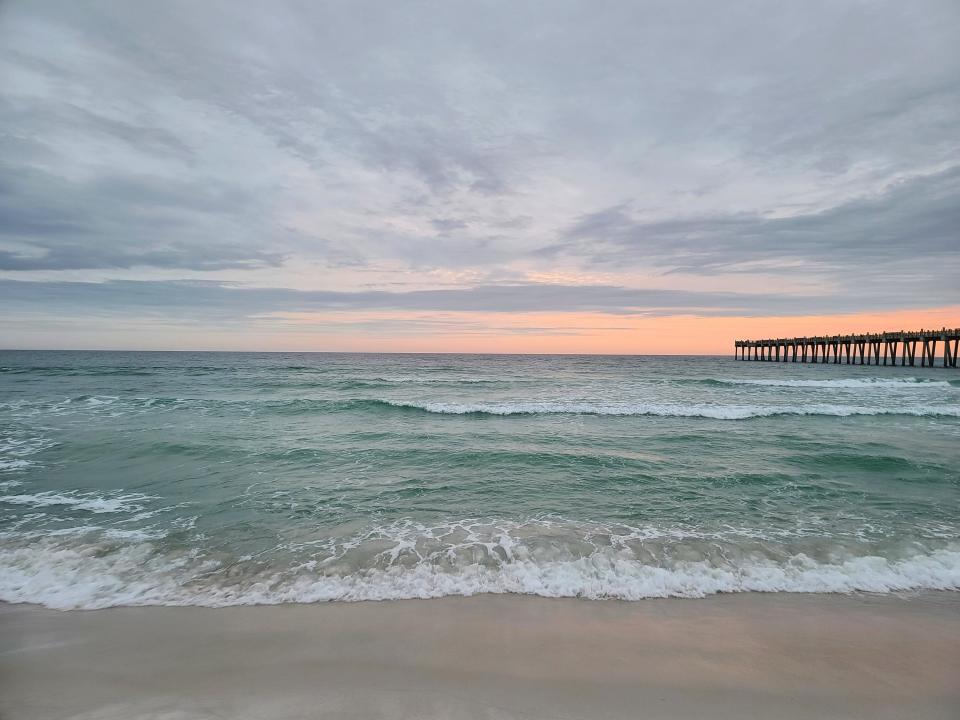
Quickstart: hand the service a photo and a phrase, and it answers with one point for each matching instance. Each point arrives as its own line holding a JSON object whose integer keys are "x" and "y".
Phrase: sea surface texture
{"x": 222, "y": 479}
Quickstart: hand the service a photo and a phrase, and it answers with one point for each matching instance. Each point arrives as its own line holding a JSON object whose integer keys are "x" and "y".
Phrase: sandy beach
{"x": 734, "y": 656}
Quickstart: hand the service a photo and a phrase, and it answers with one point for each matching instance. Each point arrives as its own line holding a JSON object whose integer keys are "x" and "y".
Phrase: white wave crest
{"x": 717, "y": 412}
{"x": 424, "y": 379}
{"x": 81, "y": 501}
{"x": 89, "y": 576}
{"x": 852, "y": 383}
{"x": 93, "y": 400}
{"x": 14, "y": 451}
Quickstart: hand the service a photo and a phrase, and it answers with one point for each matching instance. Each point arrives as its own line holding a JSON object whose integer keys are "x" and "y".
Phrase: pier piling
{"x": 865, "y": 349}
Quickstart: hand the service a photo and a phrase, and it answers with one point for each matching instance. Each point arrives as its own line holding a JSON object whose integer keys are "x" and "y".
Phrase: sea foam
{"x": 93, "y": 567}
{"x": 69, "y": 577}
{"x": 90, "y": 502}
{"x": 717, "y": 412}
{"x": 838, "y": 383}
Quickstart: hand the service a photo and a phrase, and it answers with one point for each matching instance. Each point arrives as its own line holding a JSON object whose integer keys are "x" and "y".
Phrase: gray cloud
{"x": 913, "y": 217}
{"x": 230, "y": 301}
{"x": 455, "y": 141}
{"x": 123, "y": 221}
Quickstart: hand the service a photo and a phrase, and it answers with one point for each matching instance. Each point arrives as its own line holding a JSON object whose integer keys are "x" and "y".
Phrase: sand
{"x": 491, "y": 657}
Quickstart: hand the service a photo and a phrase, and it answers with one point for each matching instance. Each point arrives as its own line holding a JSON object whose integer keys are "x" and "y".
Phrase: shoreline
{"x": 759, "y": 655}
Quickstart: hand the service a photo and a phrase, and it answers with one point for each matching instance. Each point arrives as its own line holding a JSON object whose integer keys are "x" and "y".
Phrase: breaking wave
{"x": 717, "y": 412}
{"x": 126, "y": 570}
{"x": 90, "y": 502}
{"x": 725, "y": 409}
{"x": 838, "y": 383}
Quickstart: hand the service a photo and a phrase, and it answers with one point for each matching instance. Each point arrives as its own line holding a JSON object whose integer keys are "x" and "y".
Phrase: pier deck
{"x": 856, "y": 349}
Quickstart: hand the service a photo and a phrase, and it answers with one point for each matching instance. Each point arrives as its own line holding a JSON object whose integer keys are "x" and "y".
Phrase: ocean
{"x": 144, "y": 478}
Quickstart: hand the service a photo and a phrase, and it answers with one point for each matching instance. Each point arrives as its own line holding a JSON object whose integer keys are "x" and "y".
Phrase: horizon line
{"x": 362, "y": 352}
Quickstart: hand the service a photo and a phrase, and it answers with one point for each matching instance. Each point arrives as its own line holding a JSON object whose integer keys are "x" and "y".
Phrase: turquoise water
{"x": 220, "y": 478}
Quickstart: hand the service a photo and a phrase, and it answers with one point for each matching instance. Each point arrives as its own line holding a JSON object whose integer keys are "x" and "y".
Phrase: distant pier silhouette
{"x": 869, "y": 349}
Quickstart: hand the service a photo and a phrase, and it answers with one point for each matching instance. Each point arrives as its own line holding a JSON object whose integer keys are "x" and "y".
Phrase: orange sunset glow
{"x": 587, "y": 333}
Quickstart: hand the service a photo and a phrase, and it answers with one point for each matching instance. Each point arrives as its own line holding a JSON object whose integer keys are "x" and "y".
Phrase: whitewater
{"x": 240, "y": 478}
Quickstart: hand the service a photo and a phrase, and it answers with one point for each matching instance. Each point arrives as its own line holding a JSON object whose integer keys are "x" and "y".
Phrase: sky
{"x": 614, "y": 177}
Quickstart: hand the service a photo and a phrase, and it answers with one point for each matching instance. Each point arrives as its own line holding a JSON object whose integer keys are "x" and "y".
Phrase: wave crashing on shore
{"x": 223, "y": 479}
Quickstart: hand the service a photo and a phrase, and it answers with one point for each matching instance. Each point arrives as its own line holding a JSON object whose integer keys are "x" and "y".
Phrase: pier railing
{"x": 856, "y": 349}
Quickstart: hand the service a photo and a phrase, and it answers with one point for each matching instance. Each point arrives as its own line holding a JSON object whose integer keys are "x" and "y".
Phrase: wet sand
{"x": 491, "y": 657}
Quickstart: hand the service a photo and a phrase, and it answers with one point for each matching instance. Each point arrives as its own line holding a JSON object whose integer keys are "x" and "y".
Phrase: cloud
{"x": 212, "y": 300}
{"x": 330, "y": 147}
{"x": 913, "y": 217}
{"x": 123, "y": 221}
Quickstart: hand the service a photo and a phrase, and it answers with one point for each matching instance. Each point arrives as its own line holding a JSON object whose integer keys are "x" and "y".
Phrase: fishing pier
{"x": 856, "y": 349}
